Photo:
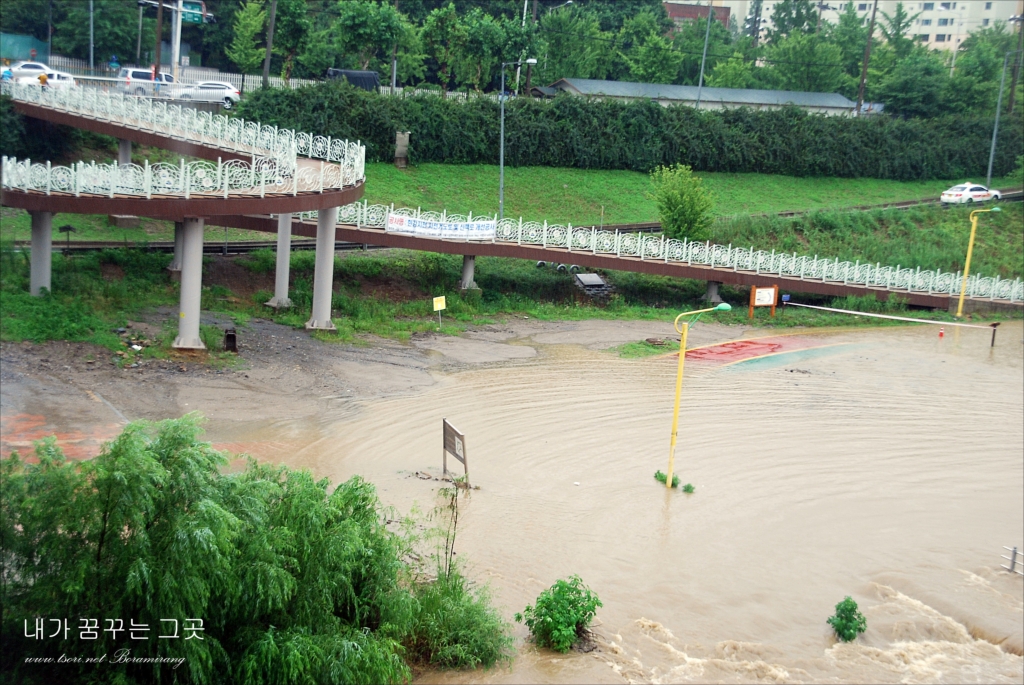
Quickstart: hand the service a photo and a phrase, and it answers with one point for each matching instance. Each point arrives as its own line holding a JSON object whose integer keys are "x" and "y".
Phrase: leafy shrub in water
{"x": 688, "y": 488}
{"x": 562, "y": 614}
{"x": 661, "y": 478}
{"x": 848, "y": 622}
{"x": 294, "y": 581}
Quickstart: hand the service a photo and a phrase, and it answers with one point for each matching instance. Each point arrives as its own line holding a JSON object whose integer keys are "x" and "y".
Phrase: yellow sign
{"x": 439, "y": 303}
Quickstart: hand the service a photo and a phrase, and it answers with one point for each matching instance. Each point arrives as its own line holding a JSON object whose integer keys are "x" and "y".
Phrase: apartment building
{"x": 940, "y": 25}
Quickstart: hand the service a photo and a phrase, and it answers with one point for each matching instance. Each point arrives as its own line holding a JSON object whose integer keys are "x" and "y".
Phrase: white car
{"x": 967, "y": 193}
{"x": 212, "y": 91}
{"x": 24, "y": 68}
{"x": 54, "y": 79}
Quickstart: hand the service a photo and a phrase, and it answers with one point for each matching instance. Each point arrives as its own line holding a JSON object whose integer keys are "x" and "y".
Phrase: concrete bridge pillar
{"x": 42, "y": 251}
{"x": 280, "y": 299}
{"x": 175, "y": 265}
{"x": 323, "y": 276}
{"x": 468, "y": 269}
{"x": 124, "y": 152}
{"x": 191, "y": 286}
{"x": 711, "y": 295}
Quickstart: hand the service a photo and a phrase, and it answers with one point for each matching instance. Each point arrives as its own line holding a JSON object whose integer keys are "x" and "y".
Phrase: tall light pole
{"x": 956, "y": 41}
{"x": 92, "y": 42}
{"x": 501, "y": 153}
{"x": 703, "y": 58}
{"x": 1016, "y": 62}
{"x": 176, "y": 47}
{"x": 970, "y": 249}
{"x": 995, "y": 128}
{"x": 723, "y": 307}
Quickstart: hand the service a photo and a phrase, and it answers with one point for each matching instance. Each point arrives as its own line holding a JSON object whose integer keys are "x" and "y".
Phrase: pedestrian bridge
{"x": 294, "y": 183}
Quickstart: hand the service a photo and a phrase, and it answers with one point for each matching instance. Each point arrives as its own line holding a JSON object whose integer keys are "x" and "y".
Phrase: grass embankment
{"x": 536, "y": 193}
{"x": 388, "y": 293}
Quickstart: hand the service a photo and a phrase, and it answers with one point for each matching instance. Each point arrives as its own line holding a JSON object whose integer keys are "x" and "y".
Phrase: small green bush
{"x": 848, "y": 622}
{"x": 562, "y": 614}
{"x": 661, "y": 478}
{"x": 684, "y": 204}
{"x": 688, "y": 488}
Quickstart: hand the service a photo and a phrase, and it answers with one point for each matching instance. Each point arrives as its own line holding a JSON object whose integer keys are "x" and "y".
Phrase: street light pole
{"x": 501, "y": 153}
{"x": 970, "y": 250}
{"x": 703, "y": 58}
{"x": 92, "y": 43}
{"x": 723, "y": 307}
{"x": 995, "y": 128}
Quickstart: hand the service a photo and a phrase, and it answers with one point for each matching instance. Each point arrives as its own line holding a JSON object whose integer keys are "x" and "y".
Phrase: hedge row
{"x": 573, "y": 132}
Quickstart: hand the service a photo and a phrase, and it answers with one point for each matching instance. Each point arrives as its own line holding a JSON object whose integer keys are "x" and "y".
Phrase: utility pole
{"x": 394, "y": 61}
{"x": 49, "y": 38}
{"x": 138, "y": 45}
{"x": 867, "y": 58}
{"x": 159, "y": 33}
{"x": 529, "y": 67}
{"x": 703, "y": 58}
{"x": 176, "y": 41}
{"x": 270, "y": 44}
{"x": 92, "y": 42}
{"x": 755, "y": 22}
{"x": 1016, "y": 62}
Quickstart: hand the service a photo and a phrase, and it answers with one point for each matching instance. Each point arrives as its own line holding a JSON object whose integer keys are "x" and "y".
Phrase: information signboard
{"x": 448, "y": 230}
{"x": 454, "y": 444}
{"x": 763, "y": 297}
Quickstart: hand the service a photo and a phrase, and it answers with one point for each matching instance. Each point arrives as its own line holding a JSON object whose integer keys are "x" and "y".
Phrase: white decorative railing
{"x": 648, "y": 247}
{"x": 214, "y": 130}
{"x": 199, "y": 179}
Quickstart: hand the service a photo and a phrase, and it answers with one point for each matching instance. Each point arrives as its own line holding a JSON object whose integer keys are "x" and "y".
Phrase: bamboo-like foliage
{"x": 294, "y": 582}
{"x": 594, "y": 134}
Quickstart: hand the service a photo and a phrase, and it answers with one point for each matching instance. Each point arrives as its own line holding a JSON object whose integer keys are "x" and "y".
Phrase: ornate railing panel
{"x": 657, "y": 247}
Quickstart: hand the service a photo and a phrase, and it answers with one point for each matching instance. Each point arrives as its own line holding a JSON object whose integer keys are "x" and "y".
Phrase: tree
{"x": 653, "y": 61}
{"x": 442, "y": 35}
{"x": 574, "y": 46}
{"x": 684, "y": 204}
{"x": 737, "y": 72}
{"x": 25, "y": 17}
{"x": 365, "y": 29}
{"x": 916, "y": 86}
{"x": 689, "y": 41}
{"x": 805, "y": 62}
{"x": 792, "y": 16}
{"x": 291, "y": 29}
{"x": 245, "y": 50}
{"x": 115, "y": 29}
{"x": 895, "y": 29}
{"x": 477, "y": 55}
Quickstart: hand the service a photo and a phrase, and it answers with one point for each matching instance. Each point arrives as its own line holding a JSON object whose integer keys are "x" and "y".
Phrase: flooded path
{"x": 882, "y": 464}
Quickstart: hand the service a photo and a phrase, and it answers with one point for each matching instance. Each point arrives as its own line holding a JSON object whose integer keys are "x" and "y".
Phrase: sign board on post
{"x": 763, "y": 297}
{"x": 454, "y": 444}
{"x": 439, "y": 304}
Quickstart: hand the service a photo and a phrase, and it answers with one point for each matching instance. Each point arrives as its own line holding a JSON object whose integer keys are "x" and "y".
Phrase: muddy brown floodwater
{"x": 885, "y": 464}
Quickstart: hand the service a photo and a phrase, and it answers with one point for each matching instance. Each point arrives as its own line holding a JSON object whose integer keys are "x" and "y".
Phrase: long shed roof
{"x": 662, "y": 91}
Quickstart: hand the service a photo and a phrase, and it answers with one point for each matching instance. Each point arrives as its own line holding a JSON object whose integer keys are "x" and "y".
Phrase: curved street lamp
{"x": 501, "y": 154}
{"x": 723, "y": 307}
{"x": 970, "y": 249}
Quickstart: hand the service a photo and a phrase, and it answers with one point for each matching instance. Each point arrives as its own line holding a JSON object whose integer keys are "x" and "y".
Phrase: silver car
{"x": 212, "y": 91}
{"x": 140, "y": 82}
{"x": 25, "y": 68}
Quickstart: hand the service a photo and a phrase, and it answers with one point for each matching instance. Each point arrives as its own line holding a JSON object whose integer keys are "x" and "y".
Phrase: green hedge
{"x": 573, "y": 132}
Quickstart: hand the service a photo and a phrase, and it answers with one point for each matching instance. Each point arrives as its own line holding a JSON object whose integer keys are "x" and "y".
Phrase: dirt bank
{"x": 76, "y": 391}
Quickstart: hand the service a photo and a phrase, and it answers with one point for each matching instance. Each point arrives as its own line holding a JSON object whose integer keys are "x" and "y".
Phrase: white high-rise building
{"x": 941, "y": 25}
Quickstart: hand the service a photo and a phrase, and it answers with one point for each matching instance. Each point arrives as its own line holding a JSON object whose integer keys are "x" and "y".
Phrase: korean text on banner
{"x": 452, "y": 230}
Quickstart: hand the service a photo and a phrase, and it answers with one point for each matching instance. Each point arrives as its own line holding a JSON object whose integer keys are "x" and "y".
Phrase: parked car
{"x": 212, "y": 91}
{"x": 140, "y": 81}
{"x": 54, "y": 79}
{"x": 967, "y": 193}
{"x": 25, "y": 68}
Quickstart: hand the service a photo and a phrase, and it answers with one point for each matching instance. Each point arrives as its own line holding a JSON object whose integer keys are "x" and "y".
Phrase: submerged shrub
{"x": 848, "y": 622}
{"x": 562, "y": 614}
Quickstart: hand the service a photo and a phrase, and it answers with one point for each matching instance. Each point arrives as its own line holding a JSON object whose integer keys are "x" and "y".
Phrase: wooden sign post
{"x": 454, "y": 444}
{"x": 763, "y": 297}
{"x": 439, "y": 304}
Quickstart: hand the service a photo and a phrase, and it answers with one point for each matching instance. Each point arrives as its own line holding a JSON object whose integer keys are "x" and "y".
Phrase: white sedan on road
{"x": 57, "y": 80}
{"x": 212, "y": 91}
{"x": 968, "y": 193}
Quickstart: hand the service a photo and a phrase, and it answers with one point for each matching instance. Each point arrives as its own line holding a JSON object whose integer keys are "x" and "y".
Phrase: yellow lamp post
{"x": 970, "y": 250}
{"x": 679, "y": 381}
